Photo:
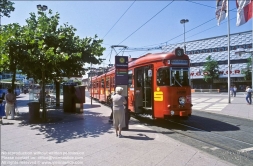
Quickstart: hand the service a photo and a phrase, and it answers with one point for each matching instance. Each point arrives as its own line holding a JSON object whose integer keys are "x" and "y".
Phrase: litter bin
{"x": 69, "y": 98}
{"x": 34, "y": 111}
{"x": 73, "y": 98}
{"x": 79, "y": 98}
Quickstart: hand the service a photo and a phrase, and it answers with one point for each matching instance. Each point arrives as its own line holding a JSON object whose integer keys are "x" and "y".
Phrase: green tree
{"x": 57, "y": 50}
{"x": 211, "y": 70}
{"x": 45, "y": 50}
{"x": 247, "y": 71}
{"x": 6, "y": 7}
{"x": 12, "y": 49}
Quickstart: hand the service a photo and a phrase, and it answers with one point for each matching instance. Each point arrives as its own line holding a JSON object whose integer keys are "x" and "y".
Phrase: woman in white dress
{"x": 118, "y": 111}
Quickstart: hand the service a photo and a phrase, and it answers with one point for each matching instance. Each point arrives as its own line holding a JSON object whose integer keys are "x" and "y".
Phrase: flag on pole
{"x": 221, "y": 10}
{"x": 244, "y": 11}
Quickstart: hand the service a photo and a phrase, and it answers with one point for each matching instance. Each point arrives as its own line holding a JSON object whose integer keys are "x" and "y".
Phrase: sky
{"x": 139, "y": 25}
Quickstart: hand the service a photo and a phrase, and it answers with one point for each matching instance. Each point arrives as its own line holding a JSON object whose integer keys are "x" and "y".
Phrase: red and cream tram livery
{"x": 158, "y": 84}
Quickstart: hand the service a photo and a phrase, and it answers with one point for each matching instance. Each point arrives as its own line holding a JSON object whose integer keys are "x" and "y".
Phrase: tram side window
{"x": 130, "y": 78}
{"x": 102, "y": 83}
{"x": 163, "y": 77}
{"x": 107, "y": 83}
{"x": 139, "y": 78}
{"x": 112, "y": 82}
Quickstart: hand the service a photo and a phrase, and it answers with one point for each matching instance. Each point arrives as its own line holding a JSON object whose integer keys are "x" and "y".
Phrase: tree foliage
{"x": 6, "y": 7}
{"x": 12, "y": 49}
{"x": 211, "y": 70}
{"x": 247, "y": 71}
{"x": 44, "y": 45}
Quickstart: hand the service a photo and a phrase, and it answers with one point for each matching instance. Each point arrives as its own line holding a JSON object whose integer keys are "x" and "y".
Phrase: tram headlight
{"x": 181, "y": 100}
{"x": 172, "y": 112}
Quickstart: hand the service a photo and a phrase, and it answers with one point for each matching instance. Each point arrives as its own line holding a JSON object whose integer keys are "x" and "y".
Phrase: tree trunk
{"x": 57, "y": 92}
{"x": 13, "y": 71}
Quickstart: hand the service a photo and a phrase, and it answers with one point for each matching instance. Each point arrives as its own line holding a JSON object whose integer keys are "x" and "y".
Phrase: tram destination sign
{"x": 121, "y": 70}
{"x": 179, "y": 62}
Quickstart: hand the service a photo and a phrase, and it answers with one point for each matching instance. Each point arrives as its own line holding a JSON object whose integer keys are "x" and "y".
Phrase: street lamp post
{"x": 241, "y": 51}
{"x": 43, "y": 8}
{"x": 183, "y": 21}
{"x": 91, "y": 89}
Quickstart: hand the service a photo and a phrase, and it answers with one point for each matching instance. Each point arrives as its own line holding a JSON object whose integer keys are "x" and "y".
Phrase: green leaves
{"x": 211, "y": 68}
{"x": 44, "y": 44}
{"x": 6, "y": 7}
{"x": 247, "y": 71}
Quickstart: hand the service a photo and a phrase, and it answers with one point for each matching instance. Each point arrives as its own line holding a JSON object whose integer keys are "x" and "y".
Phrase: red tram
{"x": 158, "y": 84}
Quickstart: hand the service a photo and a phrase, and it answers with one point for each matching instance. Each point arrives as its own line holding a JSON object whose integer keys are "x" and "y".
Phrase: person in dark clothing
{"x": 109, "y": 99}
{"x": 248, "y": 97}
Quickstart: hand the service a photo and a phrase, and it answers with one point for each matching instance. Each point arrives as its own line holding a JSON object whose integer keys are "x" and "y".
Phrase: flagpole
{"x": 229, "y": 101}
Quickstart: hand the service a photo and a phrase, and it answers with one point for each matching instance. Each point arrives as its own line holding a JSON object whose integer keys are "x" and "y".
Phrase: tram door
{"x": 143, "y": 90}
{"x": 138, "y": 90}
{"x": 147, "y": 103}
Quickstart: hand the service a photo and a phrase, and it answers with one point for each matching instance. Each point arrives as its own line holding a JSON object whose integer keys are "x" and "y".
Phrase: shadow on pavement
{"x": 85, "y": 106}
{"x": 139, "y": 137}
{"x": 192, "y": 123}
{"x": 147, "y": 131}
{"x": 68, "y": 126}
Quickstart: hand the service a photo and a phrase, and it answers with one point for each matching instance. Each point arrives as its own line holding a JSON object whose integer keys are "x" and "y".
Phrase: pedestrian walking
{"x": 248, "y": 95}
{"x": 118, "y": 111}
{"x": 10, "y": 99}
{"x": 234, "y": 91}
{"x": 231, "y": 91}
{"x": 2, "y": 112}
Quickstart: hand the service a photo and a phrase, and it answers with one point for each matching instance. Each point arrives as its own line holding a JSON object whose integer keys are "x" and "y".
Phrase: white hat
{"x": 118, "y": 89}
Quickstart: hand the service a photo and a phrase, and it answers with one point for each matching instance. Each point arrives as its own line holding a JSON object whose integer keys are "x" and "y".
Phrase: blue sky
{"x": 144, "y": 24}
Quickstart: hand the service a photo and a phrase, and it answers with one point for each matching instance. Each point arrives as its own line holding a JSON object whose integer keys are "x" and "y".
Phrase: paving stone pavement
{"x": 237, "y": 107}
{"x": 88, "y": 139}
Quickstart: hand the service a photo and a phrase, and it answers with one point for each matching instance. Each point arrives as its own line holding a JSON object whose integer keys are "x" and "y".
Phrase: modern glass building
{"x": 216, "y": 47}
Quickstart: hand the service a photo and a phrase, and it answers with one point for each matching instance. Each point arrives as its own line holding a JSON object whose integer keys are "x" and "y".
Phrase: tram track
{"x": 228, "y": 147}
{"x": 219, "y": 135}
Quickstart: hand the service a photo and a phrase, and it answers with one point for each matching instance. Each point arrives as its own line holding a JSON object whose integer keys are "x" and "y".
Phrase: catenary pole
{"x": 229, "y": 101}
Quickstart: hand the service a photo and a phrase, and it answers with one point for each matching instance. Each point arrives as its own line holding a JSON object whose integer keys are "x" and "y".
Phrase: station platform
{"x": 89, "y": 139}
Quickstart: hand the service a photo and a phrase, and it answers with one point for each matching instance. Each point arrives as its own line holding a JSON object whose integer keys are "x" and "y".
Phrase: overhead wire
{"x": 163, "y": 43}
{"x": 147, "y": 21}
{"x": 178, "y": 35}
{"x": 210, "y": 28}
{"x": 115, "y": 25}
{"x": 119, "y": 19}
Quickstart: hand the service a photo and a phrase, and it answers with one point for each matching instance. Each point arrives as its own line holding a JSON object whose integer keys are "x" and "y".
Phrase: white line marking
{"x": 212, "y": 100}
{"x": 225, "y": 100}
{"x": 246, "y": 150}
{"x": 201, "y": 99}
{"x": 214, "y": 148}
{"x": 216, "y": 107}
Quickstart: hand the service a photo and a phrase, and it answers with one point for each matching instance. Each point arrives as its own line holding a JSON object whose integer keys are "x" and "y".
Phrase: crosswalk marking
{"x": 216, "y": 107}
{"x": 225, "y": 100}
{"x": 212, "y": 100}
{"x": 200, "y": 105}
{"x": 209, "y": 104}
{"x": 201, "y": 99}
